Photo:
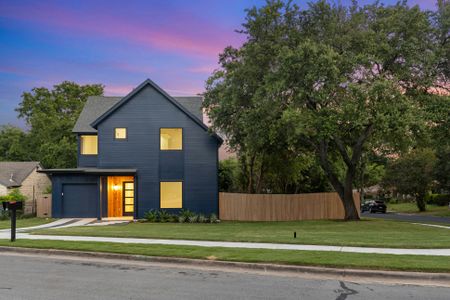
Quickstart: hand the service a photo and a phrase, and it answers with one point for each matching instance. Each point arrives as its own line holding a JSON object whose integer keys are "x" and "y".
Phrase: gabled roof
{"x": 94, "y": 107}
{"x": 148, "y": 82}
{"x": 13, "y": 173}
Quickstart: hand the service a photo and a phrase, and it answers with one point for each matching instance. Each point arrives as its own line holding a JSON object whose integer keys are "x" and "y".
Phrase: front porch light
{"x": 116, "y": 187}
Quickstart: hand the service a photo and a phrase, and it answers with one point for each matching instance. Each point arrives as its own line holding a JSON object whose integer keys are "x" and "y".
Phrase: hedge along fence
{"x": 282, "y": 207}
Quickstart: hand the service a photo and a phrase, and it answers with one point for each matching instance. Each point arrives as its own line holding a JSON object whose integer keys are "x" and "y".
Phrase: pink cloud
{"x": 199, "y": 38}
{"x": 118, "y": 90}
{"x": 203, "y": 69}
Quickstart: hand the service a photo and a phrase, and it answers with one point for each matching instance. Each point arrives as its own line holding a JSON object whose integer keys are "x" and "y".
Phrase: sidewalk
{"x": 395, "y": 251}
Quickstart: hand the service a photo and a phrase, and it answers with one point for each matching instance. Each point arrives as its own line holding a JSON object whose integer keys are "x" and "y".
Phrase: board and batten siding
{"x": 282, "y": 207}
{"x": 195, "y": 165}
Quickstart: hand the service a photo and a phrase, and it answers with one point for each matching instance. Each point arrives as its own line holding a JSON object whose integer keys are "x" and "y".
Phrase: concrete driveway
{"x": 414, "y": 218}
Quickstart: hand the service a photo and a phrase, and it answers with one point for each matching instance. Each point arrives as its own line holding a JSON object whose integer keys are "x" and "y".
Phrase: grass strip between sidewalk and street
{"x": 365, "y": 233}
{"x": 290, "y": 257}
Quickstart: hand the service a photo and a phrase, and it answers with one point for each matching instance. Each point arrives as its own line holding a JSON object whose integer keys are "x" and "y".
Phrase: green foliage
{"x": 412, "y": 174}
{"x": 438, "y": 199}
{"x": 330, "y": 81}
{"x": 13, "y": 195}
{"x": 228, "y": 175}
{"x": 50, "y": 115}
{"x": 184, "y": 216}
{"x": 14, "y": 144}
{"x": 151, "y": 215}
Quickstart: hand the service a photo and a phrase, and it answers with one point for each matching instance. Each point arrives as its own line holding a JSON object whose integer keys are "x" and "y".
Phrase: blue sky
{"x": 116, "y": 43}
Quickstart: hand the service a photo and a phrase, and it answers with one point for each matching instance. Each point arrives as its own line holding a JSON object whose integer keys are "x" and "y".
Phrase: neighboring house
{"x": 144, "y": 151}
{"x": 23, "y": 175}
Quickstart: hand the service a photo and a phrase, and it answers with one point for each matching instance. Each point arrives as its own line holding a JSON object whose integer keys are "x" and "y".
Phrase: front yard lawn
{"x": 28, "y": 222}
{"x": 312, "y": 258}
{"x": 411, "y": 208}
{"x": 365, "y": 233}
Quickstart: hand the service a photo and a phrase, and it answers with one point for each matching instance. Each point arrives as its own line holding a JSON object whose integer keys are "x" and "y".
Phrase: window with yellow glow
{"x": 171, "y": 138}
{"x": 88, "y": 145}
{"x": 120, "y": 133}
{"x": 171, "y": 194}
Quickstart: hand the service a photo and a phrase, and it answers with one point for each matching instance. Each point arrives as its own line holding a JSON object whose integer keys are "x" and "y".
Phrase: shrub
{"x": 202, "y": 218}
{"x": 184, "y": 215}
{"x": 151, "y": 215}
{"x": 13, "y": 195}
{"x": 438, "y": 199}
{"x": 193, "y": 218}
{"x": 213, "y": 218}
{"x": 164, "y": 216}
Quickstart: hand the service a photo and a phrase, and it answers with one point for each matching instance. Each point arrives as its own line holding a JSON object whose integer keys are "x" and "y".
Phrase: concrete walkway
{"x": 395, "y": 251}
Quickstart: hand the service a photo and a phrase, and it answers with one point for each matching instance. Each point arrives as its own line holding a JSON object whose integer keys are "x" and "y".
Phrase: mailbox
{"x": 12, "y": 205}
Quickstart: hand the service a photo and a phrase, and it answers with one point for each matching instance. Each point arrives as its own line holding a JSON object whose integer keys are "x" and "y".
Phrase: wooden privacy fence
{"x": 285, "y": 207}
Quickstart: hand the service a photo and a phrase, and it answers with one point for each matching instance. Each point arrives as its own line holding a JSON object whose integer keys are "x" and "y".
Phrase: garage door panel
{"x": 80, "y": 201}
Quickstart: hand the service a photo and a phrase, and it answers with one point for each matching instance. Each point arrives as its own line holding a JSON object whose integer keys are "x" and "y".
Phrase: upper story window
{"x": 120, "y": 133}
{"x": 88, "y": 145}
{"x": 171, "y": 139}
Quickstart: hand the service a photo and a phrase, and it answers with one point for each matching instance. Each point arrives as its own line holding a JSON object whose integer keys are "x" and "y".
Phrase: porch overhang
{"x": 90, "y": 171}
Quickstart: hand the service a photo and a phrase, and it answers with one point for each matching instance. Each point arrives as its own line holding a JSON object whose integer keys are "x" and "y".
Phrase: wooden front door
{"x": 128, "y": 198}
{"x": 118, "y": 192}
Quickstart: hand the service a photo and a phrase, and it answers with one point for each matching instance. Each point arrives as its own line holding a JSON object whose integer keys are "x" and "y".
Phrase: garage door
{"x": 80, "y": 200}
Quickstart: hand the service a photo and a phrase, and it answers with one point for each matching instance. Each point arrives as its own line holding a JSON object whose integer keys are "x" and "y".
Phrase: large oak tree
{"x": 333, "y": 81}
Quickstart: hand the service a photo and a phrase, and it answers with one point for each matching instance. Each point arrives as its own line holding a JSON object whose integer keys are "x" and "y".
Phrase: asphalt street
{"x": 43, "y": 277}
{"x": 414, "y": 218}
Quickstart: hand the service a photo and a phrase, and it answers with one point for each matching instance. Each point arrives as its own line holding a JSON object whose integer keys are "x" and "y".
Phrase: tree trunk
{"x": 351, "y": 212}
{"x": 420, "y": 201}
{"x": 250, "y": 175}
{"x": 345, "y": 191}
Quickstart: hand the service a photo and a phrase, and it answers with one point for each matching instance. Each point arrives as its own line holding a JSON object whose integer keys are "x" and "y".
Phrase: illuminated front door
{"x": 128, "y": 198}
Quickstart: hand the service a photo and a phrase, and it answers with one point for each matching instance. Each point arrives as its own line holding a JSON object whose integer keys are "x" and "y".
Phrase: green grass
{"x": 365, "y": 233}
{"x": 411, "y": 208}
{"x": 311, "y": 258}
{"x": 28, "y": 222}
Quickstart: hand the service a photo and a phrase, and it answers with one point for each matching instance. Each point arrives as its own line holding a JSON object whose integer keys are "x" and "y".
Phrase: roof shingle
{"x": 13, "y": 173}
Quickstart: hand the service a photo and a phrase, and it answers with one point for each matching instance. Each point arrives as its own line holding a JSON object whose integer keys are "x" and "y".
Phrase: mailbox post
{"x": 13, "y": 206}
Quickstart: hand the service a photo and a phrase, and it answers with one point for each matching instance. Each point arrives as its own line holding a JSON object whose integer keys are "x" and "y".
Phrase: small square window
{"x": 171, "y": 139}
{"x": 120, "y": 133}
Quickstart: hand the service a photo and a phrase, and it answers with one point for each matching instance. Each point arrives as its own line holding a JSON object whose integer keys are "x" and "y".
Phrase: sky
{"x": 119, "y": 44}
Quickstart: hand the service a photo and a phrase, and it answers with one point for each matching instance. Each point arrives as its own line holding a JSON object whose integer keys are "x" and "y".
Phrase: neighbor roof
{"x": 97, "y": 105}
{"x": 13, "y": 173}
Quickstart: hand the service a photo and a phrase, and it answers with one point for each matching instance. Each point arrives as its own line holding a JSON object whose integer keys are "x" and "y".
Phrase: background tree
{"x": 412, "y": 174}
{"x": 330, "y": 80}
{"x": 14, "y": 144}
{"x": 51, "y": 115}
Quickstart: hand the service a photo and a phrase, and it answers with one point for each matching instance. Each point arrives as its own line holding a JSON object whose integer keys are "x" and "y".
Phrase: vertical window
{"x": 171, "y": 139}
{"x": 171, "y": 194}
{"x": 88, "y": 145}
{"x": 120, "y": 133}
{"x": 128, "y": 198}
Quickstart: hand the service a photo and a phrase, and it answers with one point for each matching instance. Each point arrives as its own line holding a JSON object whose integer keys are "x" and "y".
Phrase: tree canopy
{"x": 50, "y": 116}
{"x": 329, "y": 81}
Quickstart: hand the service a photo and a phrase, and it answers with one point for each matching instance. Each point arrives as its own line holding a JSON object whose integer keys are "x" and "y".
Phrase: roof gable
{"x": 148, "y": 82}
{"x": 13, "y": 173}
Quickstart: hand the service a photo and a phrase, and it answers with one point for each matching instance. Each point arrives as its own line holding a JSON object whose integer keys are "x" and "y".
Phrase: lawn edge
{"x": 428, "y": 278}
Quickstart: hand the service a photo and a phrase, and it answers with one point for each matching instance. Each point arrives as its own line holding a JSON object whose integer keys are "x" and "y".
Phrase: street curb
{"x": 422, "y": 277}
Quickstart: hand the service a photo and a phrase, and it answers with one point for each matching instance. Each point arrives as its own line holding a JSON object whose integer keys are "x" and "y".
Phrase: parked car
{"x": 374, "y": 206}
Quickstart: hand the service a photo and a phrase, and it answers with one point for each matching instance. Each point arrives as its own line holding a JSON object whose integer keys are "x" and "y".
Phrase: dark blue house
{"x": 144, "y": 151}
